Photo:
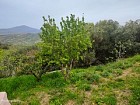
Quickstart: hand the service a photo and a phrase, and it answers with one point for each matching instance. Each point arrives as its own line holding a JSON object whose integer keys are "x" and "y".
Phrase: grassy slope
{"x": 111, "y": 84}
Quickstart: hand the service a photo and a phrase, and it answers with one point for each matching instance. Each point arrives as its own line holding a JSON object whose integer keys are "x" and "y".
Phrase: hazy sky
{"x": 30, "y": 12}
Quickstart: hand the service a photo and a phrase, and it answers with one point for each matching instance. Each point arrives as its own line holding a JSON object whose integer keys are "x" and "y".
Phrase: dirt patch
{"x": 88, "y": 94}
{"x": 72, "y": 88}
{"x": 70, "y": 102}
{"x": 87, "y": 102}
{"x": 122, "y": 96}
{"x": 125, "y": 73}
{"x": 93, "y": 86}
{"x": 43, "y": 97}
{"x": 87, "y": 98}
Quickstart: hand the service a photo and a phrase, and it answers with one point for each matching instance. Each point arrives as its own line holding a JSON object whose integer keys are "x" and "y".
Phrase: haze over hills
{"x": 23, "y": 29}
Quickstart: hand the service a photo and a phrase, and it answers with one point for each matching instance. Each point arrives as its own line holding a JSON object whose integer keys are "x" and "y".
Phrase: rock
{"x": 3, "y": 99}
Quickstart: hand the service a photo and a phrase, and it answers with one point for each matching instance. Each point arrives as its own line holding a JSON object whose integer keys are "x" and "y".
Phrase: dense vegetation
{"x": 72, "y": 45}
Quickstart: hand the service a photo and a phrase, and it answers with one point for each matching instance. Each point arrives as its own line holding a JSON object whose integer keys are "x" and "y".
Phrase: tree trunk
{"x": 68, "y": 69}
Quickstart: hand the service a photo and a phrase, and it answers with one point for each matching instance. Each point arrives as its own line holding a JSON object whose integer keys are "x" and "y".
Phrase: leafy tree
{"x": 63, "y": 46}
{"x": 127, "y": 40}
{"x": 132, "y": 32}
{"x": 104, "y": 34}
{"x": 33, "y": 65}
{"x": 120, "y": 48}
{"x": 90, "y": 29}
{"x": 88, "y": 55}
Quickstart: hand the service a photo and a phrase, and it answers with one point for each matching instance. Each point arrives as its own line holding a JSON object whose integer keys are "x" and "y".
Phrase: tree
{"x": 132, "y": 33}
{"x": 127, "y": 40}
{"x": 88, "y": 55}
{"x": 62, "y": 47}
{"x": 104, "y": 34}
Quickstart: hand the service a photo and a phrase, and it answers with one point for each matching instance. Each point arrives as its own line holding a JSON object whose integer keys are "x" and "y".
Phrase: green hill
{"x": 116, "y": 83}
{"x": 20, "y": 39}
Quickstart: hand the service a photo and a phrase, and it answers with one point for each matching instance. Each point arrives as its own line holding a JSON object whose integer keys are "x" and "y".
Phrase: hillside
{"x": 23, "y": 29}
{"x": 20, "y": 39}
{"x": 20, "y": 35}
{"x": 115, "y": 83}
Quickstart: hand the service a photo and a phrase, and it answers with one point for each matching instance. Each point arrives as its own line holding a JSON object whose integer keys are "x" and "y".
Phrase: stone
{"x": 3, "y": 99}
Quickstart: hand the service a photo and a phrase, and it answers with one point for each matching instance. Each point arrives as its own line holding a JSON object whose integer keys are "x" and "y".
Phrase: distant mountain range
{"x": 23, "y": 29}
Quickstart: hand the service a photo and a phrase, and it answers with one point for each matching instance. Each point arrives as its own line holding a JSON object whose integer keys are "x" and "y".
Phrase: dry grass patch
{"x": 122, "y": 96}
{"x": 43, "y": 97}
{"x": 70, "y": 102}
{"x": 72, "y": 88}
{"x": 137, "y": 64}
{"x": 125, "y": 73}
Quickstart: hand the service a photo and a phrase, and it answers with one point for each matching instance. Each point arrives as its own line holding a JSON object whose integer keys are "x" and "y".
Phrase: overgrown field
{"x": 116, "y": 83}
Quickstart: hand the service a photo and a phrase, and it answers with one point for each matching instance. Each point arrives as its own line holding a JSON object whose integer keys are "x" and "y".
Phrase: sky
{"x": 29, "y": 12}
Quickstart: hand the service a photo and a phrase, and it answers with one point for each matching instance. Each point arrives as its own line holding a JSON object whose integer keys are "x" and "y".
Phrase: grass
{"x": 110, "y": 84}
{"x": 108, "y": 99}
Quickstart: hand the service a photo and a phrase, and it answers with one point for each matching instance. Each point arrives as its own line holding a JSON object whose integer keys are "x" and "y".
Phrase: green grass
{"x": 110, "y": 84}
{"x": 108, "y": 100}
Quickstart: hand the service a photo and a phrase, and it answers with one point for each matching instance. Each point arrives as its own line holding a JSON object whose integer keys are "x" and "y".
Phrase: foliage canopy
{"x": 63, "y": 46}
